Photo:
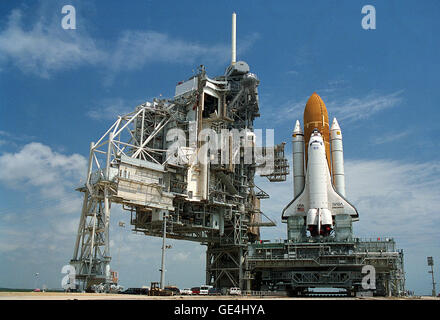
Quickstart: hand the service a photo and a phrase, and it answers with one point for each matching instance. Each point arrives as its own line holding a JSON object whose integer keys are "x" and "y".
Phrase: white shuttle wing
{"x": 297, "y": 207}
{"x": 337, "y": 204}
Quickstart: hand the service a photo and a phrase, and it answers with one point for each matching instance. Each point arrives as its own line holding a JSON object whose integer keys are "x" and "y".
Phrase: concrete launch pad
{"x": 97, "y": 296}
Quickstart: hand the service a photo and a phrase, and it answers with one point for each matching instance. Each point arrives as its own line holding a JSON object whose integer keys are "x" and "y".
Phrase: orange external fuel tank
{"x": 316, "y": 117}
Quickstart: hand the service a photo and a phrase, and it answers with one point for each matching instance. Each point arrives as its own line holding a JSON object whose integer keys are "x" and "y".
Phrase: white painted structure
{"x": 298, "y": 159}
{"x": 337, "y": 158}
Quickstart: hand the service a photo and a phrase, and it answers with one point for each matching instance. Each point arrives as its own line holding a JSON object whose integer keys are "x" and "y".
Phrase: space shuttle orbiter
{"x": 318, "y": 167}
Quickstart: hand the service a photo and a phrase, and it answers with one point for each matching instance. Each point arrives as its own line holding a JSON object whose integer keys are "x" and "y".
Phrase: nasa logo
{"x": 336, "y": 205}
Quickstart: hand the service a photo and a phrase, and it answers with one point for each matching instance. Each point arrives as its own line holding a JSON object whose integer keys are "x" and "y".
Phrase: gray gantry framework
{"x": 149, "y": 162}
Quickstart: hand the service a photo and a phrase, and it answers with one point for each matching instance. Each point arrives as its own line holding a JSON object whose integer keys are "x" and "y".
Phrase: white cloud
{"x": 49, "y": 210}
{"x": 396, "y": 199}
{"x": 304, "y": 55}
{"x": 6, "y": 247}
{"x": 391, "y": 137}
{"x": 290, "y": 110}
{"x": 45, "y": 48}
{"x": 344, "y": 109}
{"x": 135, "y": 49}
{"x": 353, "y": 109}
{"x": 38, "y": 232}
{"x": 110, "y": 108}
{"x": 8, "y": 139}
{"x": 180, "y": 256}
{"x": 292, "y": 72}
{"x": 38, "y": 167}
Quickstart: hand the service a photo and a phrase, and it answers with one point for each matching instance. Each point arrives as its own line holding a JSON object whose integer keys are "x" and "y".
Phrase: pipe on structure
{"x": 234, "y": 38}
{"x": 298, "y": 159}
{"x": 107, "y": 209}
{"x": 162, "y": 265}
{"x": 337, "y": 158}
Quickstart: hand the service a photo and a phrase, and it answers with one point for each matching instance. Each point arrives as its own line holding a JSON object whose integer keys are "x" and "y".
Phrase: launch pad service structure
{"x": 185, "y": 168}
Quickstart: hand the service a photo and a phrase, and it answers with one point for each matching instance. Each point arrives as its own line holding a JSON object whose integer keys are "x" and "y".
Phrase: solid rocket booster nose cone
{"x": 335, "y": 125}
{"x": 297, "y": 129}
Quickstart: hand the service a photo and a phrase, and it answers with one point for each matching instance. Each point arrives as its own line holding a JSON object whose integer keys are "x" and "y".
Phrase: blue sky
{"x": 61, "y": 89}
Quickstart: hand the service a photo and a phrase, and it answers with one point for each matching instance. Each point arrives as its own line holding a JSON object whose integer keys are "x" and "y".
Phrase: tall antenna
{"x": 234, "y": 39}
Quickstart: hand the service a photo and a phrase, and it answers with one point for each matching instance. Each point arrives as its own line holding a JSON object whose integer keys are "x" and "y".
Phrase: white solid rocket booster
{"x": 298, "y": 159}
{"x": 337, "y": 158}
